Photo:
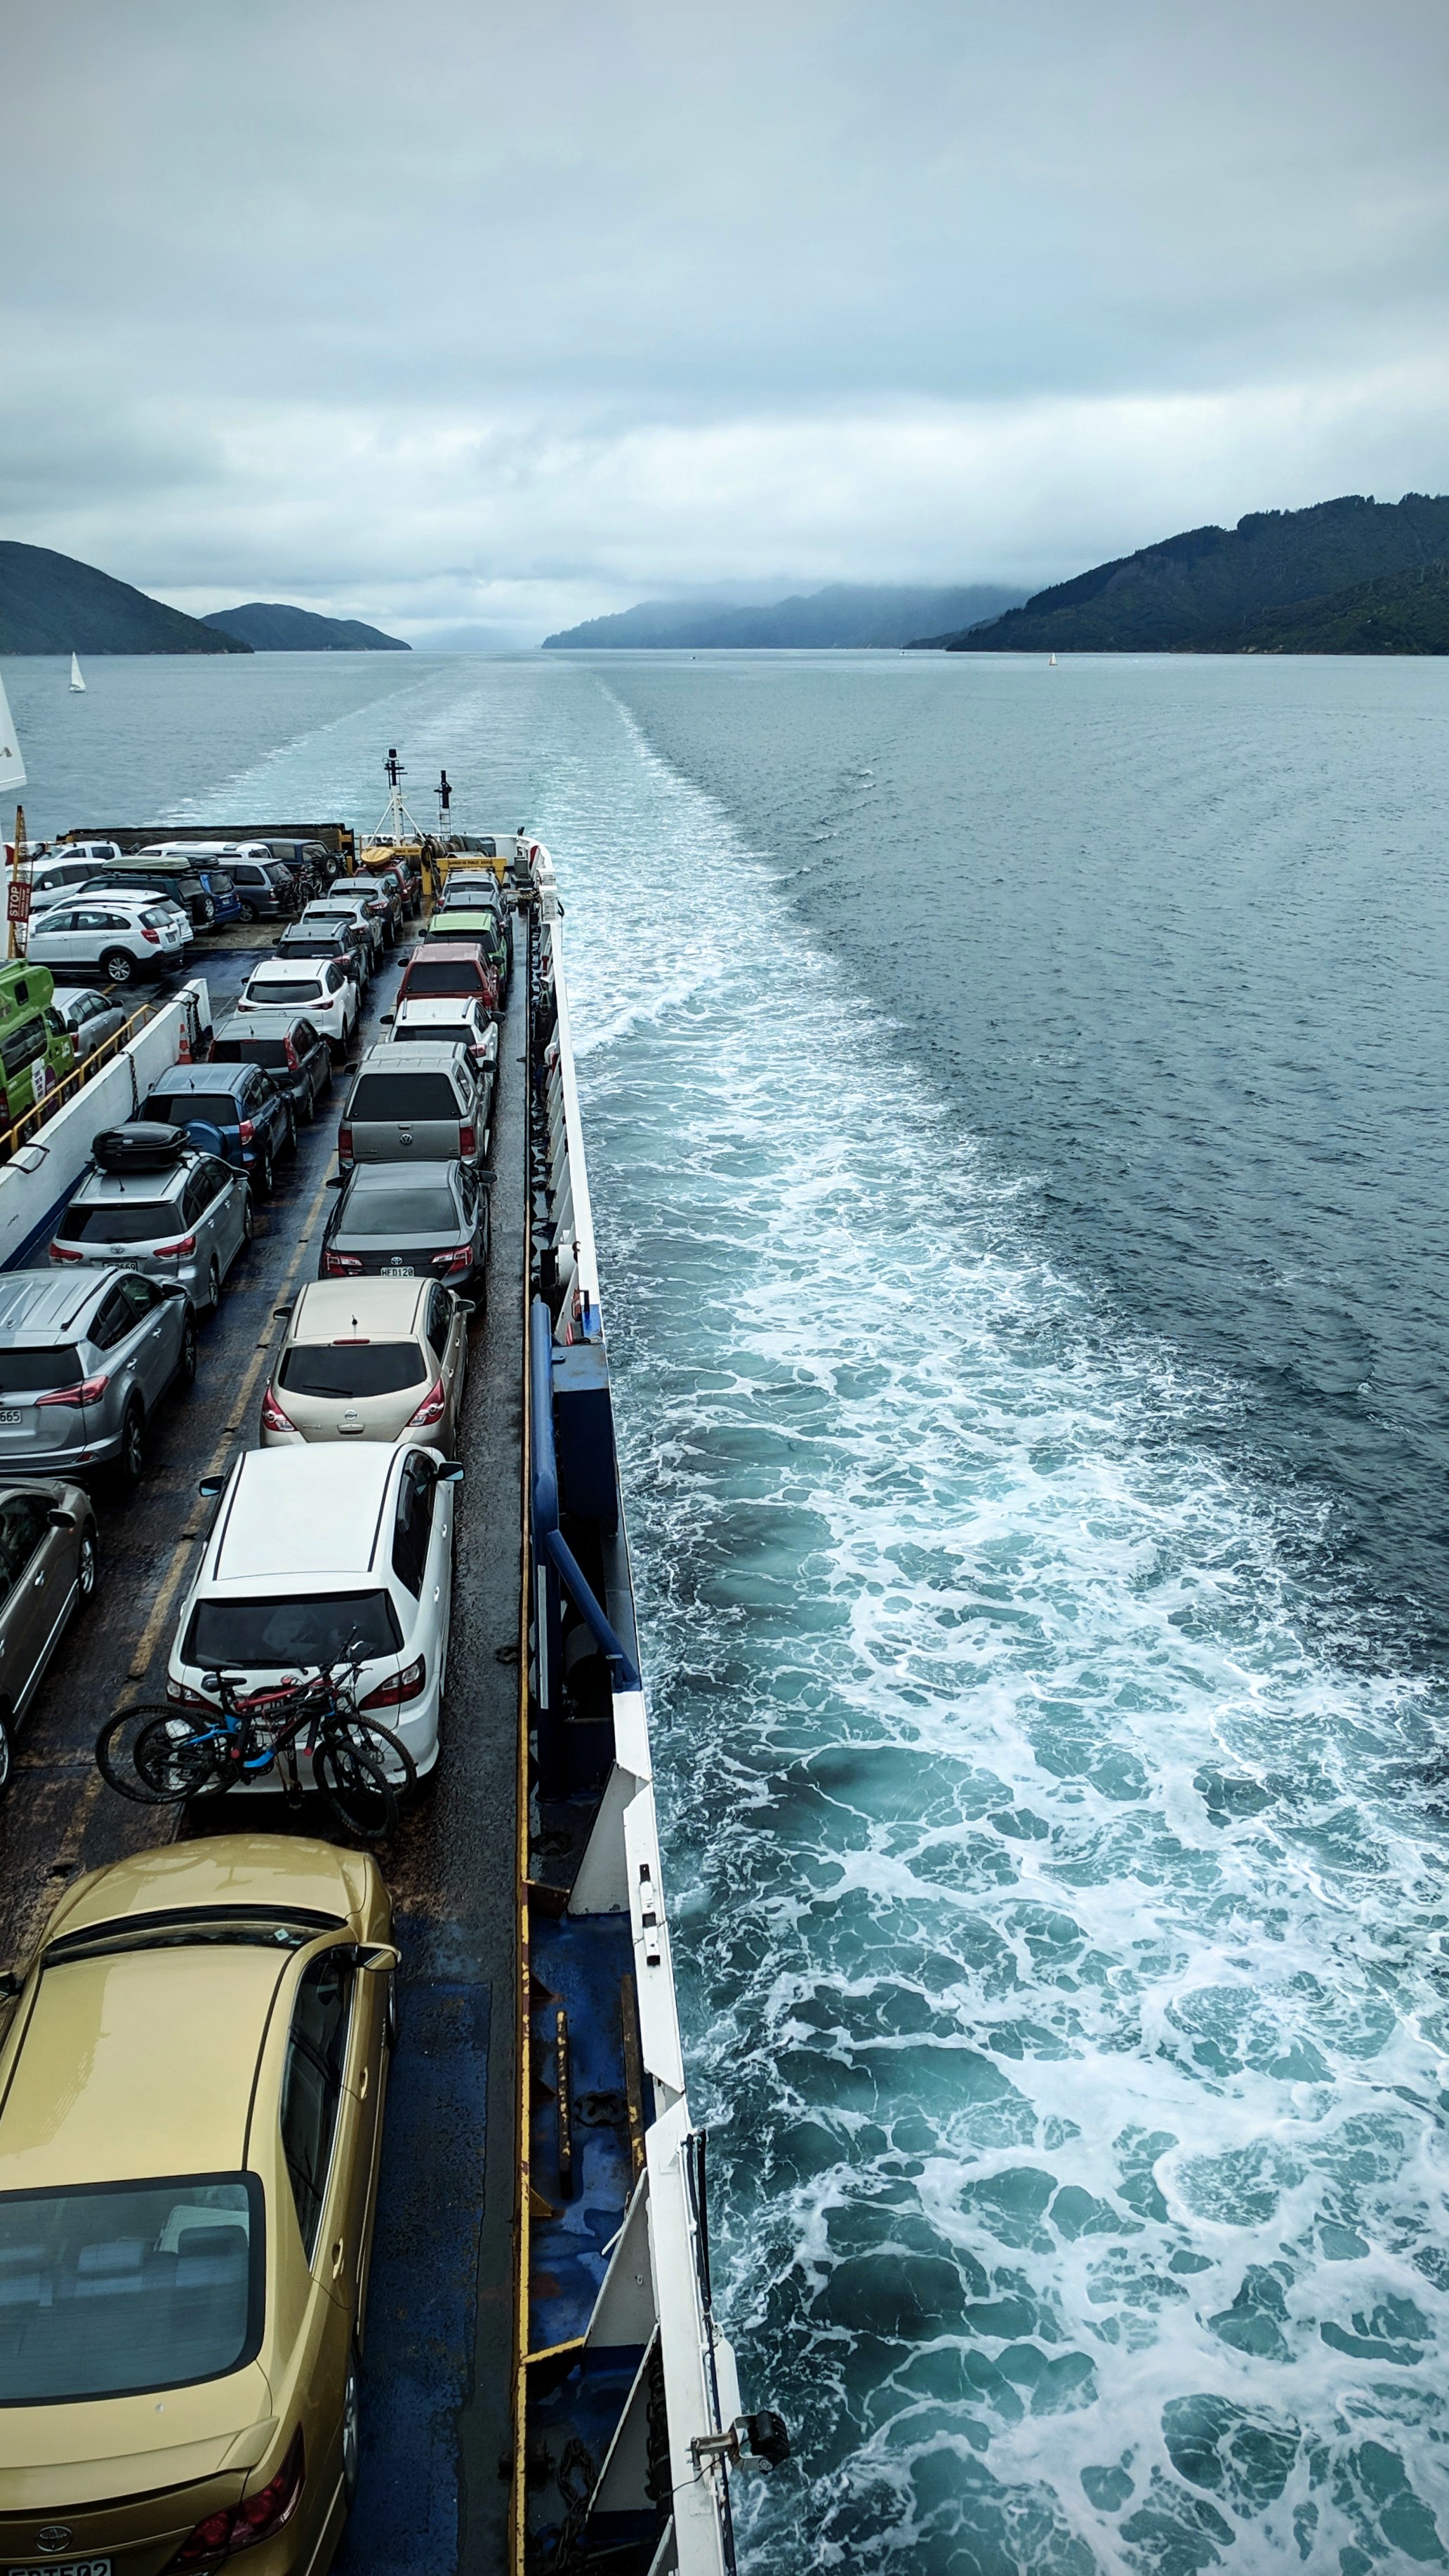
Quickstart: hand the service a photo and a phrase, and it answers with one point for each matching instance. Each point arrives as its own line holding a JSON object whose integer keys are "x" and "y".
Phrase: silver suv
{"x": 185, "y": 1225}
{"x": 83, "y": 1361}
{"x": 418, "y": 1103}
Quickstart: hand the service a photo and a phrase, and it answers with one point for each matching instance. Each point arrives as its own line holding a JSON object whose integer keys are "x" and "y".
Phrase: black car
{"x": 285, "y": 1045}
{"x": 353, "y": 948}
{"x": 409, "y": 1221}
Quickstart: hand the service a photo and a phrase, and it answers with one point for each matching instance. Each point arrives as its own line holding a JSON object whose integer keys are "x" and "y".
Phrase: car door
{"x": 56, "y": 940}
{"x": 221, "y": 1224}
{"x": 156, "y": 1319}
{"x": 34, "y": 1593}
{"x": 422, "y": 1555}
{"x": 325, "y": 2138}
{"x": 447, "y": 1331}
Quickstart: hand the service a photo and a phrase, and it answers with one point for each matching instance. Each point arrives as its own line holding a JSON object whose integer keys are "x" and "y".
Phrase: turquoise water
{"x": 1049, "y": 1751}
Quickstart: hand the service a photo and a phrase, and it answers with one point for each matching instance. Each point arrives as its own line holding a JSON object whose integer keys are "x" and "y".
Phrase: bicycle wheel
{"x": 116, "y": 1747}
{"x": 177, "y": 1760}
{"x": 351, "y": 1779}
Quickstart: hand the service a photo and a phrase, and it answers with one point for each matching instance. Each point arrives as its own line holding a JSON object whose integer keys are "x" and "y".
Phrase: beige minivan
{"x": 370, "y": 1359}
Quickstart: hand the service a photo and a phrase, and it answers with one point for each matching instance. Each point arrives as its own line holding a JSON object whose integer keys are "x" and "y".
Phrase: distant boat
{"x": 1051, "y": 664}
{"x": 75, "y": 674}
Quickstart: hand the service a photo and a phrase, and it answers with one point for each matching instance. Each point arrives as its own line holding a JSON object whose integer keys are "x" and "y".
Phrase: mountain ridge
{"x": 271, "y": 626}
{"x": 53, "y": 603}
{"x": 843, "y": 616}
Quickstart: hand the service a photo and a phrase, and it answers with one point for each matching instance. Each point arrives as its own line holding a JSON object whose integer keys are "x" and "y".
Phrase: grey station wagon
{"x": 186, "y": 1224}
{"x": 84, "y": 1360}
{"x": 48, "y": 1568}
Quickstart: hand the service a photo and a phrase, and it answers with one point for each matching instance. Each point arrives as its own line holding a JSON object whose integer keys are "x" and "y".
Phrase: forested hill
{"x": 847, "y": 614}
{"x": 49, "y": 603}
{"x": 1405, "y": 612}
{"x": 1201, "y": 592}
{"x": 267, "y": 626}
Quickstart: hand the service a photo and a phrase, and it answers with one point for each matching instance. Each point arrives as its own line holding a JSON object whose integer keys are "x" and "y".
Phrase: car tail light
{"x": 432, "y": 1408}
{"x": 256, "y": 2518}
{"x": 154, "y": 936}
{"x": 460, "y": 1258}
{"x": 273, "y": 1418}
{"x": 58, "y": 1252}
{"x": 408, "y": 1684}
{"x": 181, "y": 1696}
{"x": 181, "y": 1251}
{"x": 90, "y": 1391}
{"x": 290, "y": 1052}
{"x": 344, "y": 1142}
{"x": 246, "y": 1131}
{"x": 341, "y": 1265}
{"x": 467, "y": 1139}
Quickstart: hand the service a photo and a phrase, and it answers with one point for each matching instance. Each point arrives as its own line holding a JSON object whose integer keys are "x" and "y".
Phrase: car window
{"x": 304, "y": 1037}
{"x": 35, "y": 1372}
{"x": 271, "y": 988}
{"x": 413, "y": 1525}
{"x": 59, "y": 918}
{"x": 116, "y": 2290}
{"x": 114, "y": 1221}
{"x": 216, "y": 1178}
{"x": 194, "y": 1198}
{"x": 346, "y": 1372}
{"x": 308, "y": 1628}
{"x": 403, "y": 1095}
{"x": 336, "y": 978}
{"x": 113, "y": 1320}
{"x": 141, "y": 1294}
{"x": 312, "y": 2082}
{"x": 439, "y": 1318}
{"x": 180, "y": 1108}
{"x": 22, "y": 1527}
{"x": 23, "y": 1045}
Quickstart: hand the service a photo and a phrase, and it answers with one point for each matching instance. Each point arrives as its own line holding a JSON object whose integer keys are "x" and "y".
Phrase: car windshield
{"x": 306, "y": 1629}
{"x": 33, "y": 1372}
{"x": 117, "y": 1221}
{"x": 178, "y": 1108}
{"x": 402, "y": 1095}
{"x": 351, "y": 1370}
{"x": 438, "y": 1033}
{"x": 269, "y": 988}
{"x": 444, "y": 975}
{"x": 271, "y": 1052}
{"x": 110, "y": 2290}
{"x": 403, "y": 1211}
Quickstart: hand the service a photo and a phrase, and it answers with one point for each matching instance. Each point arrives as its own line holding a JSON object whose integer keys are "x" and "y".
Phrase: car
{"x": 477, "y": 925}
{"x": 208, "y": 858}
{"x": 370, "y": 1359}
{"x": 176, "y": 879}
{"x": 342, "y": 909}
{"x": 470, "y": 888}
{"x": 310, "y": 864}
{"x": 183, "y": 1221}
{"x": 83, "y": 1364}
{"x": 49, "y": 1567}
{"x": 125, "y": 936}
{"x": 57, "y": 872}
{"x": 193, "y": 2074}
{"x": 89, "y": 1018}
{"x": 265, "y": 889}
{"x": 324, "y": 988}
{"x": 453, "y": 1020}
{"x": 448, "y": 966}
{"x": 315, "y": 939}
{"x": 412, "y": 1102}
{"x": 384, "y": 893}
{"x": 287, "y": 1045}
{"x": 409, "y": 1220}
{"x": 252, "y": 1114}
{"x": 319, "y": 1552}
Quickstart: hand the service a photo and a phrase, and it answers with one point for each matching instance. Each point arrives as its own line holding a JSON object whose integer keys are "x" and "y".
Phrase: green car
{"x": 35, "y": 1046}
{"x": 482, "y": 929}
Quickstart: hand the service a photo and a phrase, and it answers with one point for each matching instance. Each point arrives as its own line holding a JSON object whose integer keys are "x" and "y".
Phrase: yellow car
{"x": 192, "y": 2075}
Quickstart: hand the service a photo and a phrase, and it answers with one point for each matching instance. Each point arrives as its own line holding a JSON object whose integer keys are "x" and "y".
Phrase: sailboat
{"x": 1051, "y": 661}
{"x": 75, "y": 674}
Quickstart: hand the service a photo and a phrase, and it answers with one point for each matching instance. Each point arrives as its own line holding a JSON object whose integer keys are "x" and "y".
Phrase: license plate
{"x": 11, "y": 1417}
{"x": 65, "y": 2567}
{"x": 395, "y": 1270}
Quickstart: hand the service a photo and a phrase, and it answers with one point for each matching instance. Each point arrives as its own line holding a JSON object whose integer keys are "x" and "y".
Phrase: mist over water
{"x": 1048, "y": 1782}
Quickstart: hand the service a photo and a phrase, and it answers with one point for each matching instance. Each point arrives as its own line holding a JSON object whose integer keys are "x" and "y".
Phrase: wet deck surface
{"x": 436, "y": 2399}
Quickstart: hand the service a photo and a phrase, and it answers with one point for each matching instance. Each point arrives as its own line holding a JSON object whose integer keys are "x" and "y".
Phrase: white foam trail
{"x": 1062, "y": 1926}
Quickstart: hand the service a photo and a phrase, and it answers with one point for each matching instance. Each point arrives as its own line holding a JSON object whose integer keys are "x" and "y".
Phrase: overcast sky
{"x": 450, "y": 315}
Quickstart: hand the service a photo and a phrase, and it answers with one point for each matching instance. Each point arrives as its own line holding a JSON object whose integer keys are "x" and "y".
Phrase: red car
{"x": 444, "y": 966}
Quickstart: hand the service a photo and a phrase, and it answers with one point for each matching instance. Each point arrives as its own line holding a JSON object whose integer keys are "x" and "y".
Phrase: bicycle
{"x": 160, "y": 1756}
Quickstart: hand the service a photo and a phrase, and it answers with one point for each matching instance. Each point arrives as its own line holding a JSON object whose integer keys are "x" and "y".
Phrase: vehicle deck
{"x": 434, "y": 2494}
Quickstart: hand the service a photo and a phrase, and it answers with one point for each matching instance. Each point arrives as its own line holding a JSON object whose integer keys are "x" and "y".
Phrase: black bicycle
{"x": 158, "y": 1757}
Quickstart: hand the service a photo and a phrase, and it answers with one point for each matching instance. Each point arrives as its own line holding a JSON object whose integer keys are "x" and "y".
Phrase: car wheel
{"x": 351, "y": 2433}
{"x": 87, "y": 1568}
{"x": 213, "y": 1286}
{"x": 186, "y": 1356}
{"x": 290, "y": 1146}
{"x": 249, "y": 912}
{"x": 7, "y": 1757}
{"x": 131, "y": 1458}
{"x": 118, "y": 966}
{"x": 208, "y": 911}
{"x": 249, "y": 1223}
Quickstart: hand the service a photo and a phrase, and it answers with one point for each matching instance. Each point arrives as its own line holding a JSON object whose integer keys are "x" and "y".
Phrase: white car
{"x": 319, "y": 987}
{"x": 314, "y": 1549}
{"x": 124, "y": 936}
{"x": 55, "y": 873}
{"x": 331, "y": 911}
{"x": 450, "y": 1019}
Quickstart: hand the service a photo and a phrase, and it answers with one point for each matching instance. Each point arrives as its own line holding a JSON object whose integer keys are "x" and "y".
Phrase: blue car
{"x": 223, "y": 894}
{"x": 235, "y": 1110}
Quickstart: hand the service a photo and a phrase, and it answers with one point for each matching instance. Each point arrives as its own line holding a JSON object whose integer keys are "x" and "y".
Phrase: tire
{"x": 186, "y": 1359}
{"x": 208, "y": 911}
{"x": 116, "y": 1748}
{"x": 263, "y": 1172}
{"x": 249, "y": 1223}
{"x": 87, "y": 1569}
{"x": 354, "y": 1785}
{"x": 290, "y": 1146}
{"x": 249, "y": 912}
{"x": 172, "y": 1765}
{"x": 213, "y": 1286}
{"x": 351, "y": 2433}
{"x": 7, "y": 1754}
{"x": 130, "y": 1462}
{"x": 119, "y": 966}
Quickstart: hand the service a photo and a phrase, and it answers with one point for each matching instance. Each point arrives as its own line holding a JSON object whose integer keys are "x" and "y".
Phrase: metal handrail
{"x": 75, "y": 1081}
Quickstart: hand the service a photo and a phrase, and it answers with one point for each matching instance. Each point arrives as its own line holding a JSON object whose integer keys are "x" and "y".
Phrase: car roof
{"x": 138, "y": 2063}
{"x": 294, "y": 1515}
{"x": 296, "y": 970}
{"x": 393, "y": 1056}
{"x": 447, "y": 949}
{"x": 276, "y": 1016}
{"x": 104, "y": 1189}
{"x": 181, "y": 1078}
{"x": 442, "y": 1006}
{"x": 368, "y": 1180}
{"x": 217, "y": 1869}
{"x": 333, "y": 1310}
{"x": 35, "y": 1305}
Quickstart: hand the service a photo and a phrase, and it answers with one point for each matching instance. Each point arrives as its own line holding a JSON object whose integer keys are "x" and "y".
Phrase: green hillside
{"x": 1405, "y": 612}
{"x": 267, "y": 626}
{"x": 1193, "y": 593}
{"x": 49, "y": 603}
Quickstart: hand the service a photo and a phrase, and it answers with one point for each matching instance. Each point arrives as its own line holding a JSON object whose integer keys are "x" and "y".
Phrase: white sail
{"x": 12, "y": 767}
{"x": 75, "y": 674}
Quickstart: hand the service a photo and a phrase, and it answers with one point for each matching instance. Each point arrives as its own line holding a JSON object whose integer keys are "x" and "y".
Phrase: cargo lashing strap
{"x": 548, "y": 1538}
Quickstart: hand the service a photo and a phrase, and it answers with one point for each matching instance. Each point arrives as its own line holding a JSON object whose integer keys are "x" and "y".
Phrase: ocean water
{"x": 1016, "y": 1128}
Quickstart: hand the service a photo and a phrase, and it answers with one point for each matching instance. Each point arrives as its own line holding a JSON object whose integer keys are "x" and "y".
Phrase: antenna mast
{"x": 396, "y": 823}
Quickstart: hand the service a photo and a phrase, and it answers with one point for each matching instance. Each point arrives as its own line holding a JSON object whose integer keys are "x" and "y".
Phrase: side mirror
{"x": 378, "y": 1954}
{"x": 451, "y": 1472}
{"x": 465, "y": 1305}
{"x": 10, "y": 1985}
{"x": 57, "y": 1519}
{"x": 210, "y": 1487}
{"x": 279, "y": 1312}
{"x": 388, "y": 1018}
{"x": 336, "y": 1182}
